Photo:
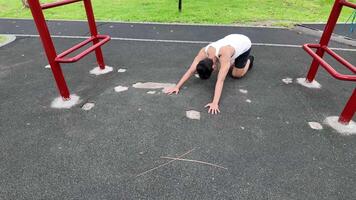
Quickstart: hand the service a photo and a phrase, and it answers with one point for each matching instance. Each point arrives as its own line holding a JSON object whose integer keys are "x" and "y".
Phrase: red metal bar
{"x": 349, "y": 110}
{"x": 325, "y": 38}
{"x": 61, "y": 57}
{"x": 94, "y": 32}
{"x": 323, "y": 63}
{"x": 341, "y": 59}
{"x": 349, "y": 4}
{"x": 47, "y": 42}
{"x": 58, "y": 3}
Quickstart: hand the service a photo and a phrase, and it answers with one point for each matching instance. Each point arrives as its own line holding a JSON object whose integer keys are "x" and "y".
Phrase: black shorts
{"x": 241, "y": 61}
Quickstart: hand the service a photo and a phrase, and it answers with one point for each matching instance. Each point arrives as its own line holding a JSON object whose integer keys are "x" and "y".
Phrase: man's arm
{"x": 201, "y": 55}
{"x": 226, "y": 54}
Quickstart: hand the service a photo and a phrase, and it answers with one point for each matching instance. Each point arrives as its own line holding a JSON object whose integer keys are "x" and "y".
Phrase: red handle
{"x": 58, "y": 3}
{"x": 349, "y": 4}
{"x": 327, "y": 67}
{"x": 61, "y": 57}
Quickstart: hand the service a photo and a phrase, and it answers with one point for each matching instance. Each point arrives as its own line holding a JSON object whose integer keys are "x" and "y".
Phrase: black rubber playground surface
{"x": 342, "y": 29}
{"x": 266, "y": 147}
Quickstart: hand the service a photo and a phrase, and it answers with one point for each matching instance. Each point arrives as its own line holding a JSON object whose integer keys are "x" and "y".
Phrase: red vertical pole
{"x": 94, "y": 32}
{"x": 49, "y": 47}
{"x": 349, "y": 110}
{"x": 325, "y": 38}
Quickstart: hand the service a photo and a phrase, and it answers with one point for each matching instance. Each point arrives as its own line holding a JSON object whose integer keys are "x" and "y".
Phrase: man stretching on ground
{"x": 231, "y": 52}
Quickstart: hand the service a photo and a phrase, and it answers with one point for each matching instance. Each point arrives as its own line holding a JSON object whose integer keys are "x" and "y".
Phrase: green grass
{"x": 2, "y": 39}
{"x": 271, "y": 12}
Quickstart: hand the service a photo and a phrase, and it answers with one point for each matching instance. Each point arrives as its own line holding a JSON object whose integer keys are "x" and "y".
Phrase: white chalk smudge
{"x": 120, "y": 88}
{"x": 287, "y": 80}
{"x": 151, "y": 92}
{"x": 8, "y": 40}
{"x": 243, "y": 91}
{"x": 192, "y": 114}
{"x": 305, "y": 83}
{"x": 97, "y": 71}
{"x": 48, "y": 66}
{"x": 248, "y": 101}
{"x": 333, "y": 122}
{"x": 315, "y": 125}
{"x": 153, "y": 85}
{"x": 121, "y": 70}
{"x": 60, "y": 103}
{"x": 88, "y": 106}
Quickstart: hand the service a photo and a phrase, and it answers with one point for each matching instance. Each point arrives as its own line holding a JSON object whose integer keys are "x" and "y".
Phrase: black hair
{"x": 205, "y": 68}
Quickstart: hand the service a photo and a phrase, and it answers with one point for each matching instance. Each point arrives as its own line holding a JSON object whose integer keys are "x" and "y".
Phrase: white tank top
{"x": 240, "y": 43}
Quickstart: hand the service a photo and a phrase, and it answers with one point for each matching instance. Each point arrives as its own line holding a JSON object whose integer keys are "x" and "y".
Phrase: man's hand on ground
{"x": 173, "y": 90}
{"x": 213, "y": 108}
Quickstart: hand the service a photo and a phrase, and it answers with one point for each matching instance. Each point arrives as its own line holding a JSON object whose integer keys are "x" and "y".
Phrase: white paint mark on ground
{"x": 59, "y": 103}
{"x": 153, "y": 85}
{"x": 315, "y": 125}
{"x": 120, "y": 88}
{"x": 8, "y": 39}
{"x": 97, "y": 71}
{"x": 243, "y": 91}
{"x": 248, "y": 101}
{"x": 196, "y": 75}
{"x": 192, "y": 114}
{"x": 88, "y": 106}
{"x": 287, "y": 80}
{"x": 121, "y": 70}
{"x": 48, "y": 66}
{"x": 305, "y": 83}
{"x": 349, "y": 129}
{"x": 151, "y": 92}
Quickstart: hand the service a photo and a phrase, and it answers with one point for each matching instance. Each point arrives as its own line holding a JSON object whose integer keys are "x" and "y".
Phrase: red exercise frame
{"x": 322, "y": 48}
{"x": 53, "y": 58}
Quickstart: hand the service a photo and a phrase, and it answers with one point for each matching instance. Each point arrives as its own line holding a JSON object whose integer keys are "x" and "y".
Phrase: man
{"x": 231, "y": 52}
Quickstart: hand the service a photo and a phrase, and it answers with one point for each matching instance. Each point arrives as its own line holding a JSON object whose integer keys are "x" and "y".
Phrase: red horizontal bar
{"x": 58, "y": 3}
{"x": 340, "y": 59}
{"x": 349, "y": 4}
{"x": 327, "y": 67}
{"x": 60, "y": 58}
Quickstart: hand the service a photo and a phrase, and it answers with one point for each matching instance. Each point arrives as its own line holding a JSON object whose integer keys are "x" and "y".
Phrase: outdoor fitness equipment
{"x": 322, "y": 47}
{"x": 53, "y": 58}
